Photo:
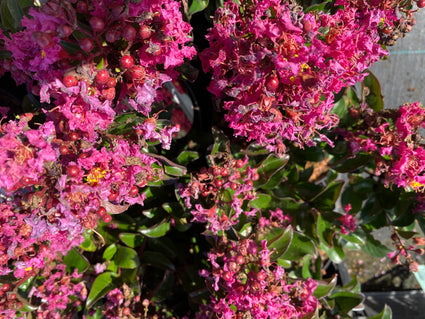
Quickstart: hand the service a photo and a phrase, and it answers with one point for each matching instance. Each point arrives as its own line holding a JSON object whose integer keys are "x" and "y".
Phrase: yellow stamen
{"x": 95, "y": 175}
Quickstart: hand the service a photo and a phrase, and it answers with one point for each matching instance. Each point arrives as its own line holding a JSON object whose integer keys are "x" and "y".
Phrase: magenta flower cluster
{"x": 247, "y": 281}
{"x": 392, "y": 136}
{"x": 219, "y": 193}
{"x": 58, "y": 178}
{"x": 277, "y": 67}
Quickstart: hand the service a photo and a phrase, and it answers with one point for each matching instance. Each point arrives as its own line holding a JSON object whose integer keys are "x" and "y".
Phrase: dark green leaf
{"x": 371, "y": 90}
{"x": 299, "y": 247}
{"x": 352, "y": 164}
{"x": 5, "y": 55}
{"x": 164, "y": 245}
{"x": 101, "y": 286}
{"x": 324, "y": 289}
{"x": 74, "y": 260}
{"x": 174, "y": 170}
{"x": 374, "y": 247}
{"x": 279, "y": 239}
{"x": 70, "y": 47}
{"x": 186, "y": 157}
{"x": 132, "y": 240}
{"x": 386, "y": 313}
{"x": 327, "y": 198}
{"x": 274, "y": 180}
{"x": 110, "y": 252}
{"x": 11, "y": 14}
{"x": 262, "y": 201}
{"x": 174, "y": 209}
{"x": 126, "y": 257}
{"x": 346, "y": 301}
{"x": 157, "y": 259}
{"x": 269, "y": 166}
{"x": 156, "y": 231}
{"x": 90, "y": 315}
{"x": 324, "y": 231}
{"x": 308, "y": 191}
{"x": 336, "y": 253}
{"x": 340, "y": 108}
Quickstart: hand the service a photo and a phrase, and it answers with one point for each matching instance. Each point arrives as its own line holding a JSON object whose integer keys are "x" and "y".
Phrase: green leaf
{"x": 88, "y": 243}
{"x": 323, "y": 290}
{"x": 110, "y": 252}
{"x": 308, "y": 191}
{"x": 157, "y": 259}
{"x": 324, "y": 231}
{"x": 386, "y": 313}
{"x": 186, "y": 157}
{"x": 300, "y": 246}
{"x": 5, "y": 55}
{"x": 70, "y": 47}
{"x": 88, "y": 314}
{"x": 340, "y": 108}
{"x": 11, "y": 14}
{"x": 196, "y": 6}
{"x": 164, "y": 245}
{"x": 126, "y": 257}
{"x": 374, "y": 247}
{"x": 336, "y": 253}
{"x": 262, "y": 201}
{"x": 132, "y": 240}
{"x": 101, "y": 286}
{"x": 352, "y": 164}
{"x": 274, "y": 180}
{"x": 156, "y": 231}
{"x": 354, "y": 238}
{"x": 326, "y": 199}
{"x": 346, "y": 301}
{"x": 74, "y": 260}
{"x": 269, "y": 166}
{"x": 371, "y": 91}
{"x": 112, "y": 266}
{"x": 279, "y": 239}
{"x": 174, "y": 209}
{"x": 175, "y": 170}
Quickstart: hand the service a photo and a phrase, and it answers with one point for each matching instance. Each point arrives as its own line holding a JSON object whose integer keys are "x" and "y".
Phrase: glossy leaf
{"x": 132, "y": 240}
{"x": 101, "y": 286}
{"x": 371, "y": 91}
{"x": 262, "y": 201}
{"x": 74, "y": 260}
{"x": 186, "y": 157}
{"x": 110, "y": 252}
{"x": 386, "y": 313}
{"x": 156, "y": 259}
{"x": 280, "y": 240}
{"x": 175, "y": 170}
{"x": 11, "y": 14}
{"x": 88, "y": 243}
{"x": 156, "y": 231}
{"x": 346, "y": 301}
{"x": 326, "y": 199}
{"x": 269, "y": 166}
{"x": 324, "y": 289}
{"x": 196, "y": 6}
{"x": 336, "y": 253}
{"x": 164, "y": 245}
{"x": 374, "y": 247}
{"x": 126, "y": 257}
{"x": 300, "y": 245}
